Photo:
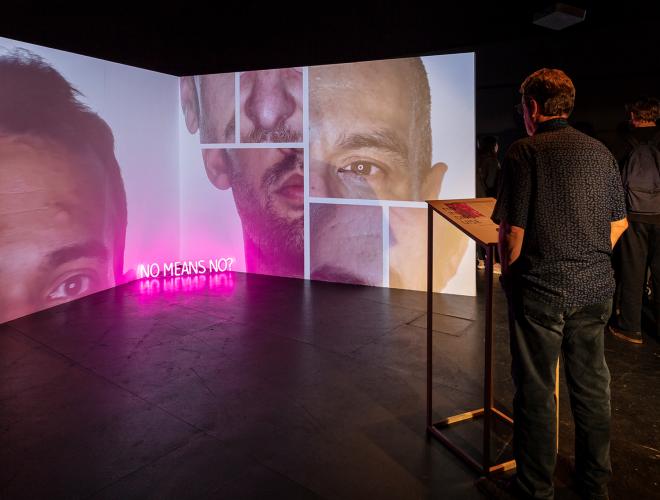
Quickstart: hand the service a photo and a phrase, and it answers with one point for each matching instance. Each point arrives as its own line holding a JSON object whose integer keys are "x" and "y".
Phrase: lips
{"x": 293, "y": 190}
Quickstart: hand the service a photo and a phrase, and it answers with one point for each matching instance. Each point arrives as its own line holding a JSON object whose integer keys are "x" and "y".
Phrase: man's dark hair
{"x": 552, "y": 90}
{"x": 36, "y": 101}
{"x": 645, "y": 109}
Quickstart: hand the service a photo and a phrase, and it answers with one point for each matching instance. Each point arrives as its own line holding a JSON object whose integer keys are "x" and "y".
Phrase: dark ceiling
{"x": 257, "y": 36}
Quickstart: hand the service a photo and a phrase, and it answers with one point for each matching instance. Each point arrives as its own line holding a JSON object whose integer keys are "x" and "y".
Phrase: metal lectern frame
{"x": 488, "y": 412}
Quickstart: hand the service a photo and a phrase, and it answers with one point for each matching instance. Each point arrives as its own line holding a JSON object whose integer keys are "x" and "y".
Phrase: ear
{"x": 189, "y": 102}
{"x": 218, "y": 167}
{"x": 433, "y": 181}
{"x": 534, "y": 110}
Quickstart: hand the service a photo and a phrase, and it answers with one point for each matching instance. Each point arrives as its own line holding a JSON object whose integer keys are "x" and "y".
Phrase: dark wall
{"x": 612, "y": 55}
{"x": 609, "y": 67}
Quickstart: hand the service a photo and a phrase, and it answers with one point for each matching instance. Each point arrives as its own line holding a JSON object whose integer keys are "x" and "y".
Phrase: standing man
{"x": 561, "y": 209}
{"x": 640, "y": 245}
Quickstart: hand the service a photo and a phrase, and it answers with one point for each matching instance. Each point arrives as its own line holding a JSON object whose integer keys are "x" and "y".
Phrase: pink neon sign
{"x": 185, "y": 268}
{"x": 220, "y": 282}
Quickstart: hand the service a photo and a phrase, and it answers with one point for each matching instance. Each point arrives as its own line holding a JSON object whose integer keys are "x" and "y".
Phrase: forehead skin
{"x": 362, "y": 97}
{"x": 49, "y": 199}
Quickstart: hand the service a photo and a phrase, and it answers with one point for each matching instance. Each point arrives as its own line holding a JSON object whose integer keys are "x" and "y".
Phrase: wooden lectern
{"x": 472, "y": 217}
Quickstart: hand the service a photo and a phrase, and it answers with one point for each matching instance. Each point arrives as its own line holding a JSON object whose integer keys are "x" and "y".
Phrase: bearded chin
{"x": 285, "y": 237}
{"x": 279, "y": 239}
{"x": 273, "y": 234}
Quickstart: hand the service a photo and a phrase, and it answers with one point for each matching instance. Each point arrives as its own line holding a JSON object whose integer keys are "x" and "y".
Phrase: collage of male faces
{"x": 63, "y": 212}
{"x": 369, "y": 139}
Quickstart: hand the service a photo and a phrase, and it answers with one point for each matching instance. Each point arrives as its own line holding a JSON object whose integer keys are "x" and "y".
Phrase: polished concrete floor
{"x": 257, "y": 387}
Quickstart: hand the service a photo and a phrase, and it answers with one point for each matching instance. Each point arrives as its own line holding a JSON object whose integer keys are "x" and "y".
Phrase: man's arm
{"x": 618, "y": 221}
{"x": 510, "y": 241}
{"x": 616, "y": 230}
{"x": 513, "y": 201}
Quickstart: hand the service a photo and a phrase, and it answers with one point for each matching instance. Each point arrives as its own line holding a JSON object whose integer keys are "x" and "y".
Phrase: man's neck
{"x": 540, "y": 122}
{"x": 542, "y": 118}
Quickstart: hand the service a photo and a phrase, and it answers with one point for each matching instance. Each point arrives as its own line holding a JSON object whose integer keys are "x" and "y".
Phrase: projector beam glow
{"x": 185, "y": 268}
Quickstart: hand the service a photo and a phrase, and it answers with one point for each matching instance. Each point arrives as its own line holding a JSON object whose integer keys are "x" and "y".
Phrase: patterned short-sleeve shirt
{"x": 564, "y": 189}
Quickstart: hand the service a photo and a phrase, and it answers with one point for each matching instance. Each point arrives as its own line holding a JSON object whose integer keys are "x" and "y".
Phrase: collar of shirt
{"x": 554, "y": 124}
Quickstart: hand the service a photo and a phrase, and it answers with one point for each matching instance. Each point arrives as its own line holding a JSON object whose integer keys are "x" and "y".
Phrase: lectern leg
{"x": 557, "y": 403}
{"x": 489, "y": 413}
{"x": 429, "y": 320}
{"x": 488, "y": 361}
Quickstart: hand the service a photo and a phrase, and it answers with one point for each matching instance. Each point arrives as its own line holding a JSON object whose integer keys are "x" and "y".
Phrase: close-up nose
{"x": 269, "y": 103}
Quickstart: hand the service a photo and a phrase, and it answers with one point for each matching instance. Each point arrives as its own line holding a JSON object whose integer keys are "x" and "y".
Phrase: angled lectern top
{"x": 471, "y": 216}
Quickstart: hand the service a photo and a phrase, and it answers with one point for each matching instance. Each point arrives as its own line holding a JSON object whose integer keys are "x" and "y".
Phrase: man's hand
{"x": 510, "y": 244}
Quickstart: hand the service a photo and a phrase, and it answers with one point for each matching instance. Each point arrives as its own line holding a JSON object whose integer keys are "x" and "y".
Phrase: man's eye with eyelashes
{"x": 71, "y": 287}
{"x": 361, "y": 168}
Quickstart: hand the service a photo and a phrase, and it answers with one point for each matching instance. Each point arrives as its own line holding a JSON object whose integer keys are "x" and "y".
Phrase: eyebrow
{"x": 384, "y": 139}
{"x": 89, "y": 249}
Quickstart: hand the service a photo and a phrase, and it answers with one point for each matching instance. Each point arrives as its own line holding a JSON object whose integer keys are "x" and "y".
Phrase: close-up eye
{"x": 361, "y": 168}
{"x": 71, "y": 287}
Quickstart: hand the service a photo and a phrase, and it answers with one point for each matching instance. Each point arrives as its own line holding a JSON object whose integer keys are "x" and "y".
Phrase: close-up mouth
{"x": 293, "y": 189}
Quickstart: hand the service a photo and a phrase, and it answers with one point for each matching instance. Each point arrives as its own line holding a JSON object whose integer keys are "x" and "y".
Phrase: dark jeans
{"x": 539, "y": 332}
{"x": 639, "y": 249}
